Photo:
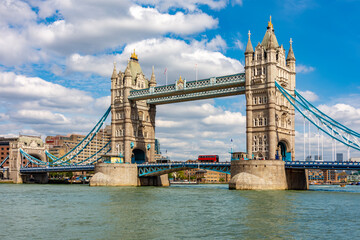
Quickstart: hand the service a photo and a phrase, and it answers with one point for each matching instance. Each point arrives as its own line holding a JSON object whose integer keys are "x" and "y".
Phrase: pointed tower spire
{"x": 290, "y": 55}
{"x": 114, "y": 74}
{"x": 152, "y": 79}
{"x": 249, "y": 47}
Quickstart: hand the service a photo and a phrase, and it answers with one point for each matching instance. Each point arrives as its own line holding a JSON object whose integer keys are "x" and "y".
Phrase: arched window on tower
{"x": 260, "y": 121}
{"x": 255, "y": 100}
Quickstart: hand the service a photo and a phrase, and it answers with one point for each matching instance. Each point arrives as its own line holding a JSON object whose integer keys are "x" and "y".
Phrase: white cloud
{"x": 19, "y": 88}
{"x": 216, "y": 44}
{"x": 226, "y": 118}
{"x": 304, "y": 69}
{"x": 309, "y": 95}
{"x": 177, "y": 56}
{"x": 189, "y": 129}
{"x": 36, "y": 105}
{"x": 239, "y": 44}
{"x": 190, "y": 5}
{"x": 40, "y": 117}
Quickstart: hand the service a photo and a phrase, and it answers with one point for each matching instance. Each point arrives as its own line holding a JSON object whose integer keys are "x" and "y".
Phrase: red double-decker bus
{"x": 208, "y": 158}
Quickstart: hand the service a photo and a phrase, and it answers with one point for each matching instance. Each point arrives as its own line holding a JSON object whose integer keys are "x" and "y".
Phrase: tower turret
{"x": 152, "y": 79}
{"x": 290, "y": 60}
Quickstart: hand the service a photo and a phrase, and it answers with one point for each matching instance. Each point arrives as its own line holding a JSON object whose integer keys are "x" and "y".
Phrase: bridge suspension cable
{"x": 2, "y": 163}
{"x": 321, "y": 121}
{"x": 78, "y": 149}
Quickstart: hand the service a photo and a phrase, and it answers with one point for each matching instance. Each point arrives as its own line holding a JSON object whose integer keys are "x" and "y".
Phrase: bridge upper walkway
{"x": 155, "y": 169}
{"x": 193, "y": 90}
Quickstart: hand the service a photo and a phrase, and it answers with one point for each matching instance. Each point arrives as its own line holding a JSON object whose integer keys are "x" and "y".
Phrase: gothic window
{"x": 265, "y": 99}
{"x": 264, "y": 70}
{"x": 140, "y": 133}
{"x": 141, "y": 116}
{"x": 260, "y": 122}
{"x": 259, "y": 57}
{"x": 255, "y": 122}
{"x": 277, "y": 56}
{"x": 265, "y": 122}
{"x": 265, "y": 55}
{"x": 258, "y": 71}
{"x": 260, "y": 100}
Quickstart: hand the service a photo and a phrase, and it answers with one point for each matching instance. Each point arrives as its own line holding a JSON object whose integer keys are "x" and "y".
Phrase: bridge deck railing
{"x": 192, "y": 86}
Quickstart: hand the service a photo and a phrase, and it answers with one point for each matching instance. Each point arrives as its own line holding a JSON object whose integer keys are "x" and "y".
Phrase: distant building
{"x": 339, "y": 157}
{"x": 309, "y": 158}
{"x": 355, "y": 159}
{"x": 59, "y": 145}
{"x": 318, "y": 158}
{"x": 206, "y": 176}
{"x": 315, "y": 175}
{"x": 5, "y": 150}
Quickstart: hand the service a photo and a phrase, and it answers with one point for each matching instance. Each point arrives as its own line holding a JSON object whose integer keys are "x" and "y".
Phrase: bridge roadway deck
{"x": 153, "y": 169}
{"x": 194, "y": 90}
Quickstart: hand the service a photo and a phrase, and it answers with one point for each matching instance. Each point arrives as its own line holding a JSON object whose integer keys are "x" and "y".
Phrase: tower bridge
{"x": 269, "y": 85}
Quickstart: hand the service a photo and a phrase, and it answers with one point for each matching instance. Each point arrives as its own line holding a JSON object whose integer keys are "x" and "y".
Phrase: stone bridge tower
{"x": 35, "y": 147}
{"x": 133, "y": 122}
{"x": 270, "y": 117}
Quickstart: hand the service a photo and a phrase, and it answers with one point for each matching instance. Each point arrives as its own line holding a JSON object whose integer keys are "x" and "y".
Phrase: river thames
{"x": 177, "y": 212}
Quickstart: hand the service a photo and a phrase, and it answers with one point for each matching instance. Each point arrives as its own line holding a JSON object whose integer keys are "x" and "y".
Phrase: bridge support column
{"x": 161, "y": 181}
{"x": 266, "y": 175}
{"x": 258, "y": 175}
{"x": 122, "y": 174}
{"x": 297, "y": 179}
{"x": 115, "y": 174}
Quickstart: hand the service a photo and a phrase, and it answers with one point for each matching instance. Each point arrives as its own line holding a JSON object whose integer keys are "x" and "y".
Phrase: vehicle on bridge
{"x": 208, "y": 158}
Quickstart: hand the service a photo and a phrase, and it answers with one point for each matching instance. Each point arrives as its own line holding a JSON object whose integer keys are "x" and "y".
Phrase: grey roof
{"x": 249, "y": 47}
{"x": 269, "y": 40}
{"x": 290, "y": 55}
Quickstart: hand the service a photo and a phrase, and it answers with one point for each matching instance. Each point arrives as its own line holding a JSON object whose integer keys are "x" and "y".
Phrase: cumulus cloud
{"x": 177, "y": 56}
{"x": 189, "y": 129}
{"x": 36, "y": 105}
{"x": 19, "y": 88}
{"x": 60, "y": 28}
{"x": 304, "y": 69}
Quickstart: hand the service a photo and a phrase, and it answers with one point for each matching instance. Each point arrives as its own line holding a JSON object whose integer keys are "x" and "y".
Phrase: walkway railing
{"x": 204, "y": 85}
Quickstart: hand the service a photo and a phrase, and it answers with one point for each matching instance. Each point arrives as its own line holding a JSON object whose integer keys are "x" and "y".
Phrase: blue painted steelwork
{"x": 57, "y": 169}
{"x": 87, "y": 139}
{"x": 201, "y": 89}
{"x": 2, "y": 163}
{"x": 323, "y": 165}
{"x": 154, "y": 169}
{"x": 323, "y": 122}
{"x": 41, "y": 163}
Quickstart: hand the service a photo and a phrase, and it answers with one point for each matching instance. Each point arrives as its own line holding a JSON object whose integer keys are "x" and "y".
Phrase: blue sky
{"x": 56, "y": 60}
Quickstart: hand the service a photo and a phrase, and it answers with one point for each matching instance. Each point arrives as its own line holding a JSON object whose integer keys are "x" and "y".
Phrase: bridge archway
{"x": 282, "y": 151}
{"x": 138, "y": 156}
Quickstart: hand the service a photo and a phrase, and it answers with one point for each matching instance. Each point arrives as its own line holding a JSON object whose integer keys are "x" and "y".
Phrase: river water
{"x": 32, "y": 211}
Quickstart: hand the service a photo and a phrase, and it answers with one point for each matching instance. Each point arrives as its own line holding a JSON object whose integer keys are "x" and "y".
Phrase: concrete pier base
{"x": 265, "y": 175}
{"x": 120, "y": 174}
{"x": 258, "y": 175}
